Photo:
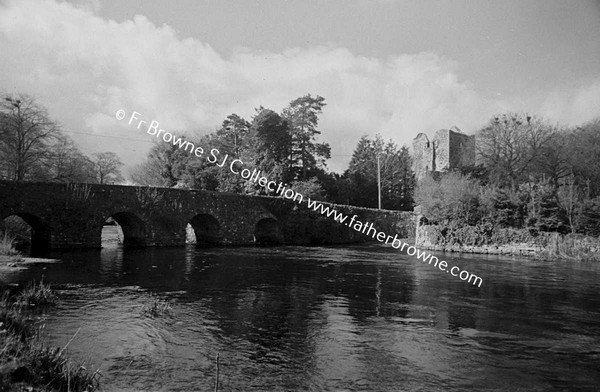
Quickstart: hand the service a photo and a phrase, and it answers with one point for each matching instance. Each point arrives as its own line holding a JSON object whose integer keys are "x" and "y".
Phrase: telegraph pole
{"x": 378, "y": 183}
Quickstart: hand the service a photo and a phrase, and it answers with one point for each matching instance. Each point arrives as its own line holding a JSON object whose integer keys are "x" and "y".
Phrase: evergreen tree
{"x": 270, "y": 145}
{"x": 306, "y": 154}
{"x": 588, "y": 221}
{"x": 397, "y": 180}
{"x": 233, "y": 134}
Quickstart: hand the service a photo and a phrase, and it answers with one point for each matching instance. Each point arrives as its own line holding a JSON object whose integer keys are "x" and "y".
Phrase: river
{"x": 352, "y": 318}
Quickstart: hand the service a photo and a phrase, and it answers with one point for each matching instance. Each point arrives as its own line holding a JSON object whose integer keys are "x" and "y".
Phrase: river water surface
{"x": 358, "y": 318}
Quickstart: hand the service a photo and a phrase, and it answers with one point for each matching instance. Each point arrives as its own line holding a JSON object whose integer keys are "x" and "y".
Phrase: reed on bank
{"x": 484, "y": 238}
{"x": 26, "y": 361}
{"x": 7, "y": 248}
{"x": 156, "y": 307}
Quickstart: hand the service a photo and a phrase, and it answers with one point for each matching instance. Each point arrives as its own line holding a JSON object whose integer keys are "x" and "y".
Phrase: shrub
{"x": 455, "y": 197}
{"x": 589, "y": 220}
{"x": 503, "y": 206}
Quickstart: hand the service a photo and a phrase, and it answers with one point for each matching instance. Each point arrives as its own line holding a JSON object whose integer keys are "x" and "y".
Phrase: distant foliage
{"x": 33, "y": 146}
{"x": 511, "y": 146}
{"x": 310, "y": 188}
{"x": 588, "y": 220}
{"x": 530, "y": 175}
{"x": 503, "y": 206}
{"x": 108, "y": 168}
{"x": 454, "y": 197}
{"x": 543, "y": 209}
{"x": 456, "y": 200}
{"x": 397, "y": 179}
{"x": 306, "y": 154}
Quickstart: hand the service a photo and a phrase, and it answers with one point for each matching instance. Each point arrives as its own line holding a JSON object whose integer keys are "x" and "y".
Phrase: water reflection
{"x": 354, "y": 318}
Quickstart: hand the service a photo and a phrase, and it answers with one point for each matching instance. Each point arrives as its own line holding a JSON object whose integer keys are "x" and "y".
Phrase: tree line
{"x": 33, "y": 147}
{"x": 285, "y": 147}
{"x": 530, "y": 174}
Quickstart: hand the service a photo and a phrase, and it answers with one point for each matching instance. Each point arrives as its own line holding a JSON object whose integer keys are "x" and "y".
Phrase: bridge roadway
{"x": 72, "y": 216}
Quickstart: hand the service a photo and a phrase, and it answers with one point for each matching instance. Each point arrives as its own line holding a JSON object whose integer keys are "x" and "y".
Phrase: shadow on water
{"x": 328, "y": 318}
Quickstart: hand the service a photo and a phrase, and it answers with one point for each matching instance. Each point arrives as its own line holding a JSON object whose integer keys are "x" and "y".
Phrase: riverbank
{"x": 508, "y": 241}
{"x": 11, "y": 265}
{"x": 26, "y": 362}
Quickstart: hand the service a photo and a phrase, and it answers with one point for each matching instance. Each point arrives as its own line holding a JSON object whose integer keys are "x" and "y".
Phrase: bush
{"x": 543, "y": 209}
{"x": 588, "y": 221}
{"x": 481, "y": 234}
{"x": 455, "y": 197}
{"x": 503, "y": 206}
{"x": 574, "y": 247}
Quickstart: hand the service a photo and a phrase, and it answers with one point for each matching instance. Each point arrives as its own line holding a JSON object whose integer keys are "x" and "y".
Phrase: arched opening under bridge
{"x": 204, "y": 230}
{"x": 267, "y": 231}
{"x": 124, "y": 228}
{"x": 26, "y": 233}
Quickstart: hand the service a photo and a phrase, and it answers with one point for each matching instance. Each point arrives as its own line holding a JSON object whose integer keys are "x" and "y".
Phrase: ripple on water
{"x": 330, "y": 318}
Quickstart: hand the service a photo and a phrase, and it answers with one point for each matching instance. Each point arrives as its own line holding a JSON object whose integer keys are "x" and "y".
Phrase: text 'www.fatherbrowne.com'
{"x": 236, "y": 166}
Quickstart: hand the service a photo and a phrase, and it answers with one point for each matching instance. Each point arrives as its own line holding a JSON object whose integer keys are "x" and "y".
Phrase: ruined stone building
{"x": 449, "y": 149}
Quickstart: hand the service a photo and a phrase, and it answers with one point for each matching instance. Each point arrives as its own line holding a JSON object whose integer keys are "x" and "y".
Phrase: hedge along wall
{"x": 495, "y": 240}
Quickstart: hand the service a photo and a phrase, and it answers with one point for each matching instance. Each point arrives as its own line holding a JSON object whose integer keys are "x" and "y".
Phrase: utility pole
{"x": 378, "y": 183}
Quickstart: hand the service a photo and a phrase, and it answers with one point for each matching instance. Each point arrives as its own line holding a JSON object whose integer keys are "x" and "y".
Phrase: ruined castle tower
{"x": 449, "y": 149}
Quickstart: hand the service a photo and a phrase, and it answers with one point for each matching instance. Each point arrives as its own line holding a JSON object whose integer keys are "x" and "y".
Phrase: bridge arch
{"x": 207, "y": 230}
{"x": 267, "y": 231}
{"x": 40, "y": 232}
{"x": 133, "y": 227}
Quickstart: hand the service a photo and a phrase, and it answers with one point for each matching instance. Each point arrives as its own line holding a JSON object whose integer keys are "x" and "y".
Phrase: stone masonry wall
{"x": 423, "y": 155}
{"x": 73, "y": 215}
{"x": 449, "y": 149}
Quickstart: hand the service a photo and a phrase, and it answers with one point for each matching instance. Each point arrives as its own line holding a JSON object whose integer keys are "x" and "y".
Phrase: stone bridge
{"x": 73, "y": 215}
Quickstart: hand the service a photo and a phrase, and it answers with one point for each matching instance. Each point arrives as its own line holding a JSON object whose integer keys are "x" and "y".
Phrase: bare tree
{"x": 67, "y": 164}
{"x": 511, "y": 144}
{"x": 26, "y": 133}
{"x": 569, "y": 197}
{"x": 148, "y": 173}
{"x": 108, "y": 167}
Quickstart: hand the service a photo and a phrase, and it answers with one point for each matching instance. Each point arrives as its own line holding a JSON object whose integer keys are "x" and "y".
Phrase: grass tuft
{"x": 7, "y": 246}
{"x": 156, "y": 308}
{"x": 26, "y": 363}
{"x": 36, "y": 295}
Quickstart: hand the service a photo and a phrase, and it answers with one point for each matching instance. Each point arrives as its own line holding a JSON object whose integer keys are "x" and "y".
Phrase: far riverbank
{"x": 508, "y": 241}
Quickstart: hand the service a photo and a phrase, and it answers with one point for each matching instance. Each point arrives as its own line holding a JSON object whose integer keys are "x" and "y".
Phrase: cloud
{"x": 573, "y": 107}
{"x": 83, "y": 68}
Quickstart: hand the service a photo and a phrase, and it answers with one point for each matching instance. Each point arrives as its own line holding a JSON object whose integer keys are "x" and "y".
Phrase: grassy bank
{"x": 575, "y": 247}
{"x": 488, "y": 239}
{"x": 26, "y": 362}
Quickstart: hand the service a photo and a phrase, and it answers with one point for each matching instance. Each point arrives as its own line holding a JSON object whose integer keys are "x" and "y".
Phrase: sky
{"x": 391, "y": 67}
